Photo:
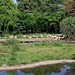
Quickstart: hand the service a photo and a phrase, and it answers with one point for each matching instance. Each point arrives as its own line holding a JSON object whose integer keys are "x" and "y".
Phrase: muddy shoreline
{"x": 2, "y": 68}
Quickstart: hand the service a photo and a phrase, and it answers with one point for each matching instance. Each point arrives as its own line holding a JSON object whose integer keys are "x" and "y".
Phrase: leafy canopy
{"x": 8, "y": 16}
{"x": 40, "y": 6}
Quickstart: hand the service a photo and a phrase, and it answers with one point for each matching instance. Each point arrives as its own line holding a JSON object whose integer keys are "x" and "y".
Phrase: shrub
{"x": 10, "y": 42}
{"x": 57, "y": 43}
{"x": 49, "y": 44}
{"x": 67, "y": 26}
{"x": 73, "y": 56}
{"x": 37, "y": 43}
{"x": 19, "y": 36}
{"x": 15, "y": 47}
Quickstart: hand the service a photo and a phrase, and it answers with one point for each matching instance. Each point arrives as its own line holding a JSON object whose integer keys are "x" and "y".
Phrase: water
{"x": 57, "y": 69}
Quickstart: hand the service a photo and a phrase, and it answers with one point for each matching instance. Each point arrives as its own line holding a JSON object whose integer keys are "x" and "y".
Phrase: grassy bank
{"x": 16, "y": 54}
{"x": 27, "y": 35}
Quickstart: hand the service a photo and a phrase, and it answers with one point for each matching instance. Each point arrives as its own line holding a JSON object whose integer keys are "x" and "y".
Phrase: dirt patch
{"x": 35, "y": 64}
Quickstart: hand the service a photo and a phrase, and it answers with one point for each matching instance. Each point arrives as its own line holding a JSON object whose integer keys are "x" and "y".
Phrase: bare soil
{"x": 5, "y": 67}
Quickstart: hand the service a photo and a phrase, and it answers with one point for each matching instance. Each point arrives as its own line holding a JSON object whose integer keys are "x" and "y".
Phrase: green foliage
{"x": 8, "y": 17}
{"x": 38, "y": 6}
{"x": 19, "y": 36}
{"x": 37, "y": 44}
{"x": 73, "y": 56}
{"x": 10, "y": 42}
{"x": 5, "y": 35}
{"x": 35, "y": 16}
{"x": 31, "y": 54}
{"x": 29, "y": 20}
{"x": 15, "y": 47}
{"x": 48, "y": 44}
{"x": 47, "y": 23}
{"x": 39, "y": 23}
{"x": 67, "y": 26}
{"x": 57, "y": 43}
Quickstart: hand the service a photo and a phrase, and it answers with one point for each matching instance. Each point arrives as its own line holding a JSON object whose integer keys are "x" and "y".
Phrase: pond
{"x": 56, "y": 69}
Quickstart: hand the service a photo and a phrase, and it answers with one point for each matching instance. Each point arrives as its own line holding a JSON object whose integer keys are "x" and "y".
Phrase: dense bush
{"x": 31, "y": 23}
{"x": 14, "y": 22}
{"x": 40, "y": 23}
{"x": 67, "y": 26}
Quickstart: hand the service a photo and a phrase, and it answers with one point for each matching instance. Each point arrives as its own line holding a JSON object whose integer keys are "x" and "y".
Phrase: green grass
{"x": 39, "y": 51}
{"x": 10, "y": 42}
{"x": 27, "y": 35}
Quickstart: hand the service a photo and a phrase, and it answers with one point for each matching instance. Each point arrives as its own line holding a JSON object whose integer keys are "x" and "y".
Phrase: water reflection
{"x": 20, "y": 73}
{"x": 3, "y": 73}
{"x": 63, "y": 70}
{"x": 60, "y": 69}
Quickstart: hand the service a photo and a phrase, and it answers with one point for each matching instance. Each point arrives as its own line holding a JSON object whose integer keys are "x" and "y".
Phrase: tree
{"x": 48, "y": 23}
{"x": 35, "y": 16}
{"x": 70, "y": 6}
{"x": 28, "y": 21}
{"x": 8, "y": 16}
{"x": 40, "y": 6}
